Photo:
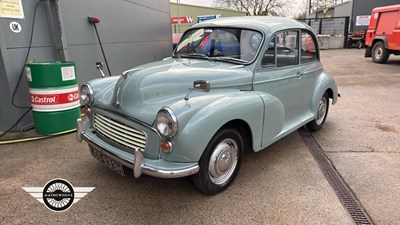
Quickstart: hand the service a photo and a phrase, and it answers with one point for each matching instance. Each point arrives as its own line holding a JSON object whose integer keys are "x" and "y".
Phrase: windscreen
{"x": 228, "y": 44}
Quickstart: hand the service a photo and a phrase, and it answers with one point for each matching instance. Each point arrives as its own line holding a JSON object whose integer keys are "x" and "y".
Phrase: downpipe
{"x": 64, "y": 51}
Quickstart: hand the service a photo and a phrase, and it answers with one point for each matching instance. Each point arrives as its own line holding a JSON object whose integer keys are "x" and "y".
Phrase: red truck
{"x": 383, "y": 34}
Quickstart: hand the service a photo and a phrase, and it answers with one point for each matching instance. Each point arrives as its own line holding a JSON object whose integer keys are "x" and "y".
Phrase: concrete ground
{"x": 362, "y": 135}
{"x": 279, "y": 185}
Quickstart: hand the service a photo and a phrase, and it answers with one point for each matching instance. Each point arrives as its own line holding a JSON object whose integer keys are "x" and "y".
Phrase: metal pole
{"x": 179, "y": 20}
{"x": 63, "y": 51}
{"x": 346, "y": 32}
{"x": 320, "y": 26}
{"x": 353, "y": 15}
{"x": 53, "y": 35}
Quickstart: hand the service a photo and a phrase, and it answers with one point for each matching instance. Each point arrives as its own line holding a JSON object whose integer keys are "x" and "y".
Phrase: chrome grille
{"x": 119, "y": 133}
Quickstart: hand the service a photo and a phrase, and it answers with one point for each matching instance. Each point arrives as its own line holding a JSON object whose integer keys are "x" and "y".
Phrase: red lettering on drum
{"x": 55, "y": 99}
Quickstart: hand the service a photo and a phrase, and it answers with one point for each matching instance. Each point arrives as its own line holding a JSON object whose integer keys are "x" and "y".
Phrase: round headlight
{"x": 86, "y": 94}
{"x": 166, "y": 122}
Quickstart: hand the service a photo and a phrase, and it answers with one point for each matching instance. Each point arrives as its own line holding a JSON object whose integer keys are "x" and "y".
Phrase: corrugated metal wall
{"x": 13, "y": 49}
{"x": 133, "y": 32}
{"x": 194, "y": 11}
{"x": 362, "y": 7}
{"x": 353, "y": 9}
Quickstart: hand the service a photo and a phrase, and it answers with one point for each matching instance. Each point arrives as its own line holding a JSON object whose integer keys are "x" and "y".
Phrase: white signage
{"x": 68, "y": 73}
{"x": 28, "y": 74}
{"x": 362, "y": 20}
{"x": 11, "y": 9}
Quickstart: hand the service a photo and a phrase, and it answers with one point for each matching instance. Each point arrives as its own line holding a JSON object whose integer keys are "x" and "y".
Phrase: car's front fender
{"x": 102, "y": 83}
{"x": 197, "y": 125}
{"x": 103, "y": 88}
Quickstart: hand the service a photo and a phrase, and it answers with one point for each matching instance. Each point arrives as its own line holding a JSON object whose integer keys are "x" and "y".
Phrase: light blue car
{"x": 232, "y": 85}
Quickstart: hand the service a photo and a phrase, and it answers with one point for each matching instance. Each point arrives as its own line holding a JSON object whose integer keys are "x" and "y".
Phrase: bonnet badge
{"x": 116, "y": 102}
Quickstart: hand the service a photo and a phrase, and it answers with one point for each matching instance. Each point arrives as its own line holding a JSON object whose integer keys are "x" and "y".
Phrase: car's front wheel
{"x": 220, "y": 162}
{"x": 322, "y": 113}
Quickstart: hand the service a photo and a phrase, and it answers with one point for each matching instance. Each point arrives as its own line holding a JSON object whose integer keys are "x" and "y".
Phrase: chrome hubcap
{"x": 223, "y": 161}
{"x": 378, "y": 53}
{"x": 321, "y": 111}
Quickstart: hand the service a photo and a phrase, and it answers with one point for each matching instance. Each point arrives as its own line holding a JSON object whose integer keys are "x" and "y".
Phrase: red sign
{"x": 183, "y": 19}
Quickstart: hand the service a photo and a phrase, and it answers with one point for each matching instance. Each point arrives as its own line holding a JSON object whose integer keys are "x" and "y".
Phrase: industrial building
{"x": 131, "y": 33}
{"x": 357, "y": 10}
{"x": 192, "y": 14}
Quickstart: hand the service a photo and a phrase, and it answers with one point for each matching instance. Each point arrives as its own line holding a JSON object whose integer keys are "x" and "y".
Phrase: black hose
{"x": 102, "y": 50}
{"x": 9, "y": 129}
{"x": 26, "y": 58}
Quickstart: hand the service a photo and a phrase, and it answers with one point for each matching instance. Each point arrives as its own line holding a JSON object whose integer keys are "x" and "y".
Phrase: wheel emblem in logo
{"x": 58, "y": 195}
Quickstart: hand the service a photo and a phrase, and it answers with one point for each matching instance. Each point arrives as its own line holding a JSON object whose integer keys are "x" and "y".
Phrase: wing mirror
{"x": 201, "y": 85}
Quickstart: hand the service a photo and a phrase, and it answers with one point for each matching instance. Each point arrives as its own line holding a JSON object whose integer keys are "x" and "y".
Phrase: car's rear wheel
{"x": 379, "y": 53}
{"x": 220, "y": 162}
{"x": 322, "y": 113}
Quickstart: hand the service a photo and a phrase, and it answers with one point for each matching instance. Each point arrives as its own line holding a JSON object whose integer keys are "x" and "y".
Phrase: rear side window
{"x": 308, "y": 47}
{"x": 287, "y": 48}
{"x": 282, "y": 50}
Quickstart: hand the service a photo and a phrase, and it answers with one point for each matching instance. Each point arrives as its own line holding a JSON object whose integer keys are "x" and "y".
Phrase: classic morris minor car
{"x": 232, "y": 84}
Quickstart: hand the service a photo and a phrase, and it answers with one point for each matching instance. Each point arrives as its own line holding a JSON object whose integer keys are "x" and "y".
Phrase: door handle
{"x": 299, "y": 75}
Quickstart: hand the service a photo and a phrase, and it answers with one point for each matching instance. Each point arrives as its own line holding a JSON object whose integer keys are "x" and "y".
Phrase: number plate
{"x": 112, "y": 164}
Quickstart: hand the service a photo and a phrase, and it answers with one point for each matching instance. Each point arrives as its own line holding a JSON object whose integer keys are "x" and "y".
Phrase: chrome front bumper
{"x": 137, "y": 165}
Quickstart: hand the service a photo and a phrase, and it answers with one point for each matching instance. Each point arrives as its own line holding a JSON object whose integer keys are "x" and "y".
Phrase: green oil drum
{"x": 54, "y": 94}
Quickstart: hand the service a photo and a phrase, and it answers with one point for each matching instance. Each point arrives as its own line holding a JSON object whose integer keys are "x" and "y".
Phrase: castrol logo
{"x": 54, "y": 100}
{"x": 43, "y": 100}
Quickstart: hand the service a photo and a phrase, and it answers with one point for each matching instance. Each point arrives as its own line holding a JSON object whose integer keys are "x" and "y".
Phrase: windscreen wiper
{"x": 229, "y": 59}
{"x": 194, "y": 55}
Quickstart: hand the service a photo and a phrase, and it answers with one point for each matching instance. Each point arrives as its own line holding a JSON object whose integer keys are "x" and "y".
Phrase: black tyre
{"x": 349, "y": 44}
{"x": 220, "y": 162}
{"x": 322, "y": 113}
{"x": 379, "y": 53}
{"x": 358, "y": 44}
{"x": 361, "y": 44}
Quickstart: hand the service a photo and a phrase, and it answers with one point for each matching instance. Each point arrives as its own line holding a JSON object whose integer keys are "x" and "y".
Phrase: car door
{"x": 280, "y": 75}
{"x": 310, "y": 66}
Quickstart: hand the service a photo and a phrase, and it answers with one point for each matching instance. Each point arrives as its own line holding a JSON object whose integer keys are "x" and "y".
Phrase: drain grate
{"x": 345, "y": 195}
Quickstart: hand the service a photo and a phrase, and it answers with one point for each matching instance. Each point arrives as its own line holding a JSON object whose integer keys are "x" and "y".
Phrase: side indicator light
{"x": 166, "y": 145}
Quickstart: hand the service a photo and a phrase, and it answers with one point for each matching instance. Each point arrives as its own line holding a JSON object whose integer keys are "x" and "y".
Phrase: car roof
{"x": 267, "y": 24}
